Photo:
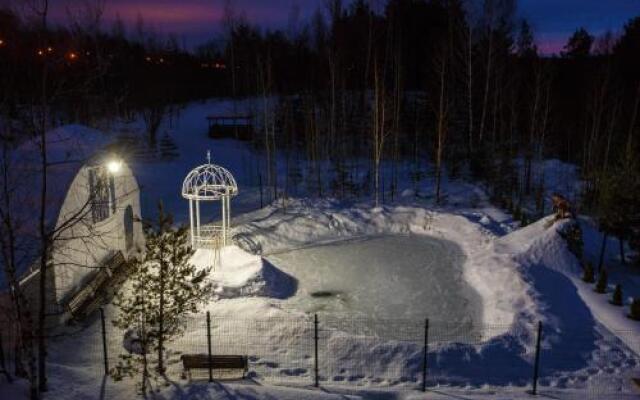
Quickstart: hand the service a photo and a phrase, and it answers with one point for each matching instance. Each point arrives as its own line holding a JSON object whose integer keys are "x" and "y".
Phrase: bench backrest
{"x": 216, "y": 362}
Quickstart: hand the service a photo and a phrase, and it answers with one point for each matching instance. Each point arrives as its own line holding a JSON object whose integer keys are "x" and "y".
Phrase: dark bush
{"x": 587, "y": 274}
{"x": 616, "y": 299}
{"x": 601, "y": 286}
{"x": 634, "y": 310}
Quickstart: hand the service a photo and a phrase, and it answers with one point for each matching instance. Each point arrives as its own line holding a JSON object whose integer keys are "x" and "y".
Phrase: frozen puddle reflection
{"x": 409, "y": 277}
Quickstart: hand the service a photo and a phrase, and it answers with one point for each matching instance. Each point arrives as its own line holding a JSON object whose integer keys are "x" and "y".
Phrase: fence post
{"x": 260, "y": 183}
{"x": 3, "y": 366}
{"x": 209, "y": 346}
{"x": 105, "y": 354}
{"x": 315, "y": 336}
{"x": 424, "y": 356}
{"x": 536, "y": 365}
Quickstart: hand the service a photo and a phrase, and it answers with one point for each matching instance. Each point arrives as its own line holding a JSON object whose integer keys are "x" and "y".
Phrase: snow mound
{"x": 408, "y": 193}
{"x": 240, "y": 273}
{"x": 494, "y": 275}
{"x": 542, "y": 243}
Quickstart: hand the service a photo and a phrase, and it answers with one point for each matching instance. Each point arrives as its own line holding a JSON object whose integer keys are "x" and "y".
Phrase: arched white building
{"x": 93, "y": 208}
{"x": 208, "y": 183}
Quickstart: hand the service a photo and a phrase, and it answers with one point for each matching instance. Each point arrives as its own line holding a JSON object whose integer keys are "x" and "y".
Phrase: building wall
{"x": 83, "y": 246}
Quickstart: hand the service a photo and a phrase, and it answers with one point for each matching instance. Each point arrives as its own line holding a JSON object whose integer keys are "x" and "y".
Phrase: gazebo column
{"x": 198, "y": 220}
{"x": 224, "y": 220}
{"x": 228, "y": 211}
{"x": 193, "y": 243}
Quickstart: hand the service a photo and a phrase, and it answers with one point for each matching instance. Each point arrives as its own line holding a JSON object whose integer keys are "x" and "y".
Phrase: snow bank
{"x": 563, "y": 301}
{"x": 492, "y": 274}
{"x": 239, "y": 273}
{"x": 541, "y": 243}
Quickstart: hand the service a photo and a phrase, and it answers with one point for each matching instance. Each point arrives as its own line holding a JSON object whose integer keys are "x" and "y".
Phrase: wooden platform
{"x": 238, "y": 127}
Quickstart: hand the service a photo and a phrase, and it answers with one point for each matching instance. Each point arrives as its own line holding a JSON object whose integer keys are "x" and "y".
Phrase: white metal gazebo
{"x": 209, "y": 182}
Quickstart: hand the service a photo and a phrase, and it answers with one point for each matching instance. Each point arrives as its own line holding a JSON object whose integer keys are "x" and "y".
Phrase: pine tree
{"x": 601, "y": 286}
{"x": 133, "y": 311}
{"x": 509, "y": 204}
{"x": 634, "y": 310}
{"x": 579, "y": 44}
{"x": 616, "y": 299}
{"x": 587, "y": 274}
{"x": 517, "y": 213}
{"x": 164, "y": 289}
{"x": 618, "y": 211}
{"x": 524, "y": 219}
{"x": 573, "y": 236}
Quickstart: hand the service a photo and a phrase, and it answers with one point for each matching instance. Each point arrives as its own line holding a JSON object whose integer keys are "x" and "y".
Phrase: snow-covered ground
{"x": 506, "y": 281}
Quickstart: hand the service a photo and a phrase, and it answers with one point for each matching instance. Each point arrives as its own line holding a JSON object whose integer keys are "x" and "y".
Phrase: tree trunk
{"x": 441, "y": 127}
{"x": 470, "y": 91}
{"x": 162, "y": 278}
{"x": 44, "y": 237}
{"x": 485, "y": 101}
{"x": 602, "y": 251}
{"x": 23, "y": 317}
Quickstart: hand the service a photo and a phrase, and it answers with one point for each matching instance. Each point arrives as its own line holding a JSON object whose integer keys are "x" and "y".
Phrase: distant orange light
{"x": 49, "y": 49}
{"x": 148, "y": 59}
{"x": 40, "y": 52}
{"x": 1, "y": 42}
{"x": 72, "y": 56}
{"x": 162, "y": 60}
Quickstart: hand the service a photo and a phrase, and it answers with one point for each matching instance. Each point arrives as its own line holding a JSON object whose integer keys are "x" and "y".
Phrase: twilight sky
{"x": 198, "y": 20}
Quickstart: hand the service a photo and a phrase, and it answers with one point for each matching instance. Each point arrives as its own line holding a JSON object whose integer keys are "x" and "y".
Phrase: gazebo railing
{"x": 210, "y": 237}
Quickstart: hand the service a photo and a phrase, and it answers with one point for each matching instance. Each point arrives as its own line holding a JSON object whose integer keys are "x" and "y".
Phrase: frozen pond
{"x": 384, "y": 277}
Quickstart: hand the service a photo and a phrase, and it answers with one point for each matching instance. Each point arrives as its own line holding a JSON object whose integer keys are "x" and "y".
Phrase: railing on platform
{"x": 209, "y": 237}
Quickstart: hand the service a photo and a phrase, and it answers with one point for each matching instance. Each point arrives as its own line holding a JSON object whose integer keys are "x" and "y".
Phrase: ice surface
{"x": 384, "y": 277}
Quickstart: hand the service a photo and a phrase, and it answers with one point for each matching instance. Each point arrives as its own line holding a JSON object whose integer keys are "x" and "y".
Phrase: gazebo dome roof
{"x": 209, "y": 182}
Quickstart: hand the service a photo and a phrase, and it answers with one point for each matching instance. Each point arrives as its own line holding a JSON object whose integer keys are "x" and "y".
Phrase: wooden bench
{"x": 202, "y": 361}
{"x": 89, "y": 297}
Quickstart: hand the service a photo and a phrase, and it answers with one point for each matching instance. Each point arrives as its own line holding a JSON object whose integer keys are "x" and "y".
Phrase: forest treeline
{"x": 451, "y": 87}
{"x": 446, "y": 83}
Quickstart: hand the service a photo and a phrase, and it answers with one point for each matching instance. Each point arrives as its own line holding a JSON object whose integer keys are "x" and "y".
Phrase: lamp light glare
{"x": 114, "y": 166}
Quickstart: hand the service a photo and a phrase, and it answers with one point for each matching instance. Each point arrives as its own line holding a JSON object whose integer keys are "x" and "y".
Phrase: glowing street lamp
{"x": 1, "y": 42}
{"x": 114, "y": 166}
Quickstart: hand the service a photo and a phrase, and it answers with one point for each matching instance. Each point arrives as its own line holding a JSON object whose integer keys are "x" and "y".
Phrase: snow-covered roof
{"x": 69, "y": 148}
{"x": 209, "y": 182}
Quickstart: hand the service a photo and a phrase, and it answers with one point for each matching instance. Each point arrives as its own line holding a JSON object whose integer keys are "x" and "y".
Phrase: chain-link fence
{"x": 349, "y": 352}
